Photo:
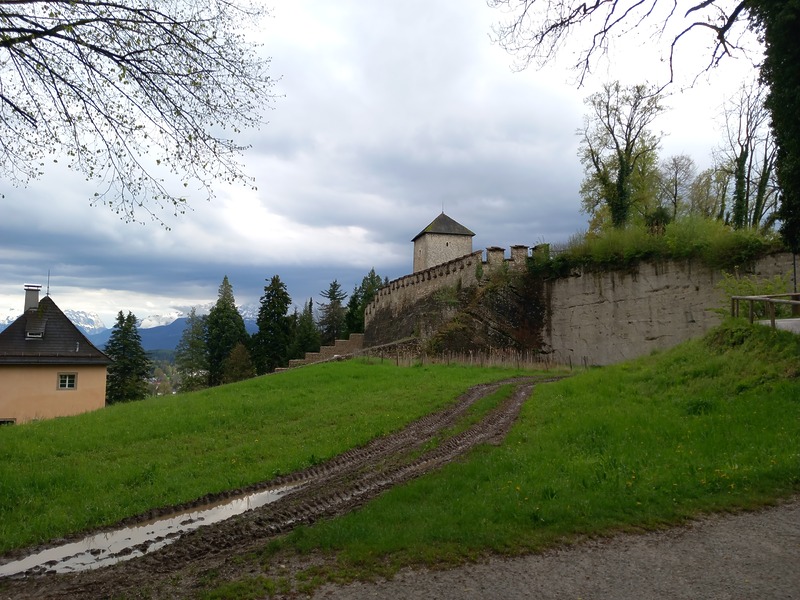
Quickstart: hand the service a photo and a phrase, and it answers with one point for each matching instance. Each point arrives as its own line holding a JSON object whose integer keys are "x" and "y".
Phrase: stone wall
{"x": 587, "y": 318}
{"x": 351, "y": 345}
{"x": 461, "y": 272}
{"x": 604, "y": 318}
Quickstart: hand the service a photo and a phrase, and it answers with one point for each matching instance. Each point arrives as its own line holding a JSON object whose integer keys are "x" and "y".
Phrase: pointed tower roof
{"x": 444, "y": 225}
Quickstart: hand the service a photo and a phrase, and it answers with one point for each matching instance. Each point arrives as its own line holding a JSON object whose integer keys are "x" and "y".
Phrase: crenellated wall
{"x": 592, "y": 318}
{"x": 460, "y": 273}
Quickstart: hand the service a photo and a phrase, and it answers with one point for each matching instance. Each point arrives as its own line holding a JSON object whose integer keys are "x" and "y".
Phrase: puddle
{"x": 108, "y": 548}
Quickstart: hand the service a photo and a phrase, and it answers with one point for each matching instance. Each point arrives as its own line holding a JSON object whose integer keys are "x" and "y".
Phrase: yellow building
{"x": 48, "y": 368}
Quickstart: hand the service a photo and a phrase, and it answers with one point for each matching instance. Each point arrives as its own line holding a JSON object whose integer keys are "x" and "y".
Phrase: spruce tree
{"x": 306, "y": 336}
{"x": 127, "y": 375}
{"x": 270, "y": 345}
{"x": 224, "y": 329}
{"x": 191, "y": 357}
{"x": 332, "y": 313}
{"x": 359, "y": 300}
{"x": 353, "y": 317}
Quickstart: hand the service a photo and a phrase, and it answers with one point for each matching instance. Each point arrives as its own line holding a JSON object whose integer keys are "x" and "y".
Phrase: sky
{"x": 387, "y": 115}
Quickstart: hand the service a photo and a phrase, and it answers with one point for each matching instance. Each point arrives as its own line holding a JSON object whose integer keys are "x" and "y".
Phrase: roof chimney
{"x": 31, "y": 296}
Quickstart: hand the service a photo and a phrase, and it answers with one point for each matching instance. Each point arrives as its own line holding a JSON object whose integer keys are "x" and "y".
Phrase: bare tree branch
{"x": 143, "y": 96}
{"x": 536, "y": 29}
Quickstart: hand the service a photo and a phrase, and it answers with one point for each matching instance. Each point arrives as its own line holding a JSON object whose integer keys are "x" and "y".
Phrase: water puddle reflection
{"x": 111, "y": 547}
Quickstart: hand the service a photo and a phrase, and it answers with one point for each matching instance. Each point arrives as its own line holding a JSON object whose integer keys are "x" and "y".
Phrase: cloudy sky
{"x": 389, "y": 113}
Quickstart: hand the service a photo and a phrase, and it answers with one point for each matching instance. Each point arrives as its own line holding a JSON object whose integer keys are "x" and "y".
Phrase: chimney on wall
{"x": 31, "y": 296}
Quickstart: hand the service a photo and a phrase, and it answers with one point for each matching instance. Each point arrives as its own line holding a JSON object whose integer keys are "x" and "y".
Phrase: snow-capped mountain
{"x": 161, "y": 320}
{"x": 249, "y": 312}
{"x": 158, "y": 331}
{"x": 89, "y": 323}
{"x": 6, "y": 320}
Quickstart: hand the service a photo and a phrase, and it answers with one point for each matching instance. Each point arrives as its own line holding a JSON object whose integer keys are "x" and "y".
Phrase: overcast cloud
{"x": 389, "y": 113}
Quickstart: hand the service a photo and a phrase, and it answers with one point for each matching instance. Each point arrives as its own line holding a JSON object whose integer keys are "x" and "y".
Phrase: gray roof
{"x": 44, "y": 335}
{"x": 444, "y": 225}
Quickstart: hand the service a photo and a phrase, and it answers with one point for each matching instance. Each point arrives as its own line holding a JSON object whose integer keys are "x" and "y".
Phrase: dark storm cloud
{"x": 386, "y": 114}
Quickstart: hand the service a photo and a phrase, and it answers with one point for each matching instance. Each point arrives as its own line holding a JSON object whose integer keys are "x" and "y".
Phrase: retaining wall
{"x": 340, "y": 347}
{"x": 589, "y": 317}
{"x": 604, "y": 318}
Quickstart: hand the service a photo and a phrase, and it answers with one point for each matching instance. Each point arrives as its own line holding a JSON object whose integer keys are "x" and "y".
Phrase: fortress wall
{"x": 604, "y": 318}
{"x": 465, "y": 271}
{"x": 590, "y": 318}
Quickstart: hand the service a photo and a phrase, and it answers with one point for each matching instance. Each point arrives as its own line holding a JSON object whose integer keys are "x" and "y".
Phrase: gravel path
{"x": 746, "y": 556}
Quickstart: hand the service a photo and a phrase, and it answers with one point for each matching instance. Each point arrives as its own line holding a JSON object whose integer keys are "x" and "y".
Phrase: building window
{"x": 67, "y": 381}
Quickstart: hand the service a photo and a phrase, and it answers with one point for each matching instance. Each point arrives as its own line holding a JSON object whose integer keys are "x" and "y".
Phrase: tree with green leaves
{"x": 331, "y": 314}
{"x": 748, "y": 151}
{"x": 708, "y": 193}
{"x": 224, "y": 329}
{"x": 270, "y": 344}
{"x": 142, "y": 96}
{"x": 778, "y": 24}
{"x": 306, "y": 334}
{"x": 191, "y": 354}
{"x": 238, "y": 366}
{"x": 535, "y": 31}
{"x": 361, "y": 297}
{"x": 616, "y": 140}
{"x": 675, "y": 176}
{"x": 127, "y": 375}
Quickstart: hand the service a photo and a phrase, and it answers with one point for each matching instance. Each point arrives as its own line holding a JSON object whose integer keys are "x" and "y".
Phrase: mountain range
{"x": 158, "y": 332}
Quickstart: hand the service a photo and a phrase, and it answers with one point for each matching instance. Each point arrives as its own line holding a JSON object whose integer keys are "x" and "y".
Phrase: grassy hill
{"x": 77, "y": 473}
{"x": 711, "y": 425}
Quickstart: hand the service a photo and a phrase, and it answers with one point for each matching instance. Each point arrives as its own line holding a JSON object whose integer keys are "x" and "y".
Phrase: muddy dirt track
{"x": 332, "y": 488}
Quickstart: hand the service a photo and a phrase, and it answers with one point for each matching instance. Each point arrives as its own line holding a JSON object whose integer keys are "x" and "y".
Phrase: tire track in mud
{"x": 332, "y": 488}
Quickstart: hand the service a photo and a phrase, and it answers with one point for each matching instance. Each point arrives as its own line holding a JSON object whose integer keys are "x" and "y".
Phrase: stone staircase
{"x": 340, "y": 348}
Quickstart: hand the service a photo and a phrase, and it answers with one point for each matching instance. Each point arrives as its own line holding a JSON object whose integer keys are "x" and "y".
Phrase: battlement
{"x": 465, "y": 271}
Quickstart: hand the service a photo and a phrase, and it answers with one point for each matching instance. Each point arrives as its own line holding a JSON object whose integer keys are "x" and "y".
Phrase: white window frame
{"x": 67, "y": 381}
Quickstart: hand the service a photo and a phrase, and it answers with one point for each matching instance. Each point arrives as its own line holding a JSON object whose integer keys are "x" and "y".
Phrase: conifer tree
{"x": 332, "y": 312}
{"x": 270, "y": 345}
{"x": 127, "y": 375}
{"x": 359, "y": 300}
{"x": 306, "y": 336}
{"x": 191, "y": 357}
{"x": 224, "y": 329}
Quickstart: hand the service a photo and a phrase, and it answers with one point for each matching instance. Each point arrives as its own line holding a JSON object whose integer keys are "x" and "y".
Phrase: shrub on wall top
{"x": 711, "y": 242}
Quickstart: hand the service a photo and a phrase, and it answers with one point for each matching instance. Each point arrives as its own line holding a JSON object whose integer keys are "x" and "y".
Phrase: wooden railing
{"x": 770, "y": 303}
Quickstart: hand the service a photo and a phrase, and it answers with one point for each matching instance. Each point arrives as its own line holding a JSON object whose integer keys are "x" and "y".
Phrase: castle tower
{"x": 441, "y": 241}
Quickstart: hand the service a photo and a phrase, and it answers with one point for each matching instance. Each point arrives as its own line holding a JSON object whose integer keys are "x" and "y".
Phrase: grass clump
{"x": 711, "y": 425}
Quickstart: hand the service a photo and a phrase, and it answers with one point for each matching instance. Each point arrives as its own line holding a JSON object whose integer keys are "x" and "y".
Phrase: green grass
{"x": 72, "y": 474}
{"x": 691, "y": 238}
{"x": 713, "y": 425}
